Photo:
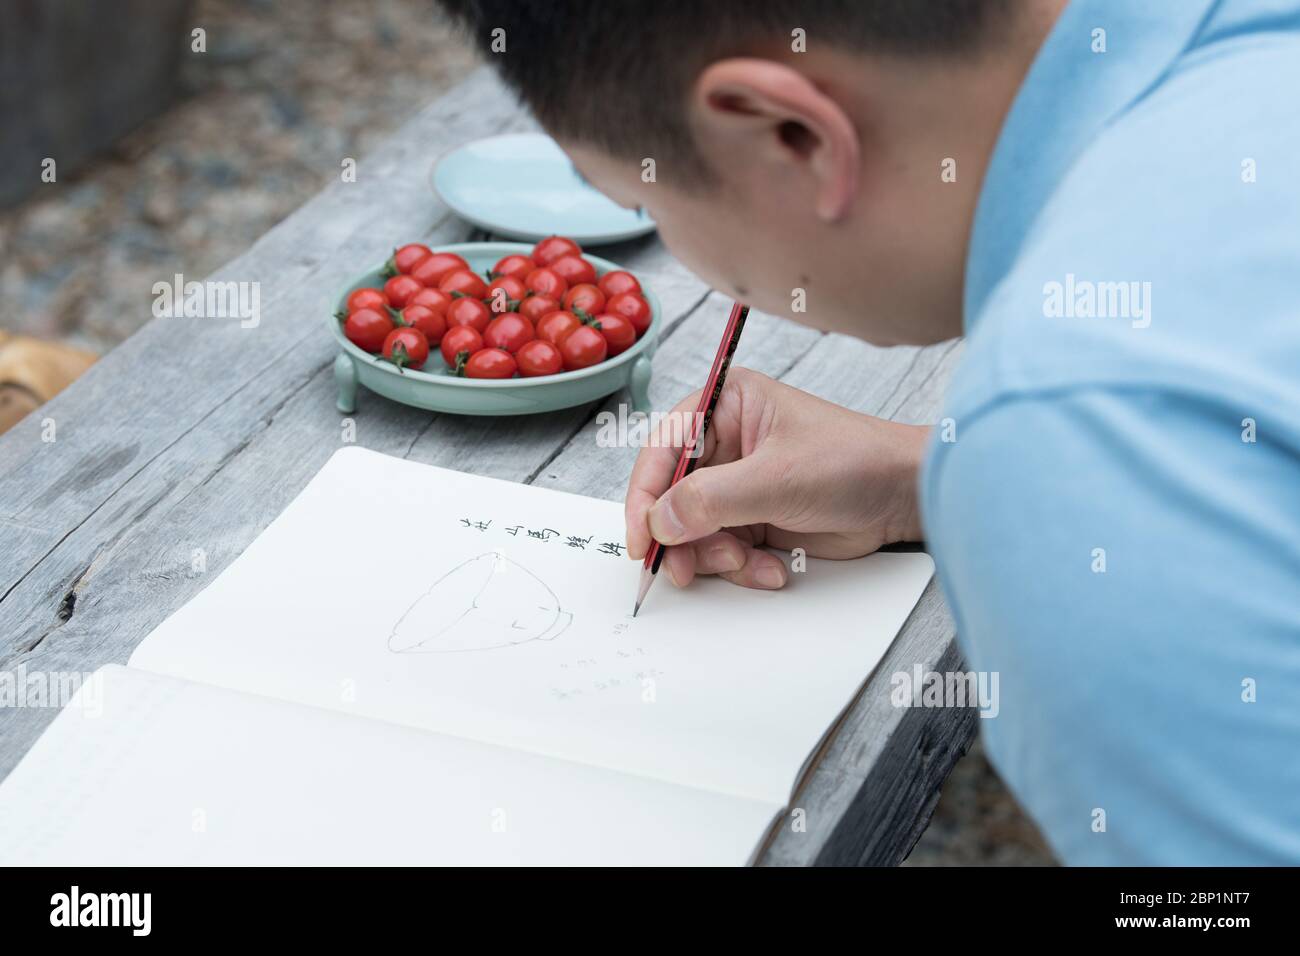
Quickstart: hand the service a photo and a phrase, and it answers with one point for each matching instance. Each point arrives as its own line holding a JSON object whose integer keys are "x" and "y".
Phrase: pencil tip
{"x": 636, "y": 608}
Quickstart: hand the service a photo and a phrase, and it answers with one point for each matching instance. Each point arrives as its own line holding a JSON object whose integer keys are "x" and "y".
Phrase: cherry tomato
{"x": 574, "y": 269}
{"x": 367, "y": 299}
{"x": 471, "y": 312}
{"x": 431, "y": 299}
{"x": 633, "y": 308}
{"x": 618, "y": 331}
{"x": 583, "y": 347}
{"x": 554, "y": 326}
{"x": 539, "y": 358}
{"x": 367, "y": 328}
{"x": 535, "y": 306}
{"x": 406, "y": 348}
{"x": 399, "y": 290}
{"x": 508, "y": 332}
{"x": 408, "y": 257}
{"x": 462, "y": 340}
{"x": 463, "y": 281}
{"x": 546, "y": 282}
{"x": 491, "y": 363}
{"x": 432, "y": 324}
{"x": 516, "y": 266}
{"x": 552, "y": 248}
{"x": 612, "y": 283}
{"x": 430, "y": 271}
{"x": 512, "y": 290}
{"x": 585, "y": 297}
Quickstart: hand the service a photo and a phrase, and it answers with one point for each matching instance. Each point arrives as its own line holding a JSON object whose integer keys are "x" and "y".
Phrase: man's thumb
{"x": 719, "y": 496}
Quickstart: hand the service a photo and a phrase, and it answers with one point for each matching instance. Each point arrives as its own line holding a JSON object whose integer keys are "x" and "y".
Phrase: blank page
{"x": 170, "y": 772}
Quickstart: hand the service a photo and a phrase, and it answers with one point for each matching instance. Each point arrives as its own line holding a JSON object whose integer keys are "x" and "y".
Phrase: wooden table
{"x": 195, "y": 433}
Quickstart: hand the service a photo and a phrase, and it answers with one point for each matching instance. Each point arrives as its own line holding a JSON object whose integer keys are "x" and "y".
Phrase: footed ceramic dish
{"x": 435, "y": 388}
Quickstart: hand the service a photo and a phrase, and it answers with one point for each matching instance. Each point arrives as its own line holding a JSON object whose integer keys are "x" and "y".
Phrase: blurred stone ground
{"x": 285, "y": 90}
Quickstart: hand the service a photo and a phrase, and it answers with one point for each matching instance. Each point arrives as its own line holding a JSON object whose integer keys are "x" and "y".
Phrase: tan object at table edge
{"x": 32, "y": 372}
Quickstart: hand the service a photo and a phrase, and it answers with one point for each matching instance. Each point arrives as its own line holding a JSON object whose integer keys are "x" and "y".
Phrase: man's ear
{"x": 765, "y": 110}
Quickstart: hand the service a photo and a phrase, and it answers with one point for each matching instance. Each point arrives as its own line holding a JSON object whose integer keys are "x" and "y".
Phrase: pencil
{"x": 699, "y": 426}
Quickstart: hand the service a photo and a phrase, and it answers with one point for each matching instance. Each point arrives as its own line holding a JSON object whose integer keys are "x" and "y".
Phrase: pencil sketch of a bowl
{"x": 485, "y": 603}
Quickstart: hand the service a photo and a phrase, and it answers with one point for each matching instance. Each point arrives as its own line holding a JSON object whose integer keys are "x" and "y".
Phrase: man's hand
{"x": 779, "y": 467}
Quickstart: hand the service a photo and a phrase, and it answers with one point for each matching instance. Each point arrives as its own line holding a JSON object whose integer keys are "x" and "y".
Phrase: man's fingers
{"x": 732, "y": 494}
{"x": 653, "y": 472}
{"x": 761, "y": 570}
{"x": 639, "y": 501}
{"x": 725, "y": 555}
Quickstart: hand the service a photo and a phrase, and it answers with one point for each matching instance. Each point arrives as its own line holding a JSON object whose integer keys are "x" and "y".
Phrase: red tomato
{"x": 463, "y": 281}
{"x": 491, "y": 363}
{"x": 536, "y": 306}
{"x": 431, "y": 299}
{"x": 367, "y": 299}
{"x": 612, "y": 283}
{"x": 546, "y": 282}
{"x": 459, "y": 344}
{"x": 406, "y": 348}
{"x": 432, "y": 324}
{"x": 583, "y": 347}
{"x": 574, "y": 269}
{"x": 471, "y": 312}
{"x": 430, "y": 271}
{"x": 633, "y": 308}
{"x": 367, "y": 328}
{"x": 508, "y": 332}
{"x": 554, "y": 326}
{"x": 539, "y": 358}
{"x": 585, "y": 297}
{"x": 514, "y": 265}
{"x": 552, "y": 248}
{"x": 399, "y": 290}
{"x": 408, "y": 257}
{"x": 618, "y": 331}
{"x": 512, "y": 291}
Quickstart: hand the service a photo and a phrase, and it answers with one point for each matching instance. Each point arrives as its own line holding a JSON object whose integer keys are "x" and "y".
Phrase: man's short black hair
{"x": 616, "y": 73}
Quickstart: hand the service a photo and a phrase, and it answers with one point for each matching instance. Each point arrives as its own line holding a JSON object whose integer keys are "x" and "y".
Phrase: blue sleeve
{"x": 1161, "y": 687}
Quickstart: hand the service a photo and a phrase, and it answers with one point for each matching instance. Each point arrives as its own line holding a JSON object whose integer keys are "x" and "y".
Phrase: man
{"x": 1103, "y": 197}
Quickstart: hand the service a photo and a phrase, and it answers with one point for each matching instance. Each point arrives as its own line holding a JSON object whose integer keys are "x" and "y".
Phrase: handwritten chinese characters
{"x": 546, "y": 535}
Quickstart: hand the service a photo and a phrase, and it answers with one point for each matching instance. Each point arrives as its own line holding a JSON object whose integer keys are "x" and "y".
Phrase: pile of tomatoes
{"x": 536, "y": 314}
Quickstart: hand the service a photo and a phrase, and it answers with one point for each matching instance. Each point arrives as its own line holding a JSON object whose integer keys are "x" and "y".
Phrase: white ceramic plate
{"x": 522, "y": 186}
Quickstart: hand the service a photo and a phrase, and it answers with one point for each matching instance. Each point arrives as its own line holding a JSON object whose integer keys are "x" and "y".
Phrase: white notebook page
{"x": 167, "y": 772}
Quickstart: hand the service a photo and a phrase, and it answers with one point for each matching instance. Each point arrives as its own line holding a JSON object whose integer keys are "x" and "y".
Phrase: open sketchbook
{"x": 415, "y": 665}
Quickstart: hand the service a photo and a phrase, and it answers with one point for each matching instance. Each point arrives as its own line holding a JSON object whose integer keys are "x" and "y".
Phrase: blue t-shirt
{"x": 1113, "y": 495}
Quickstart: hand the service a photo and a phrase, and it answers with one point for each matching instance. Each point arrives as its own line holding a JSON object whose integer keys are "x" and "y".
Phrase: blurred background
{"x": 170, "y": 160}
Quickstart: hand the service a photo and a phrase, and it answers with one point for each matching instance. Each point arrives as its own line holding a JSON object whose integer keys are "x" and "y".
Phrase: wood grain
{"x": 193, "y": 435}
